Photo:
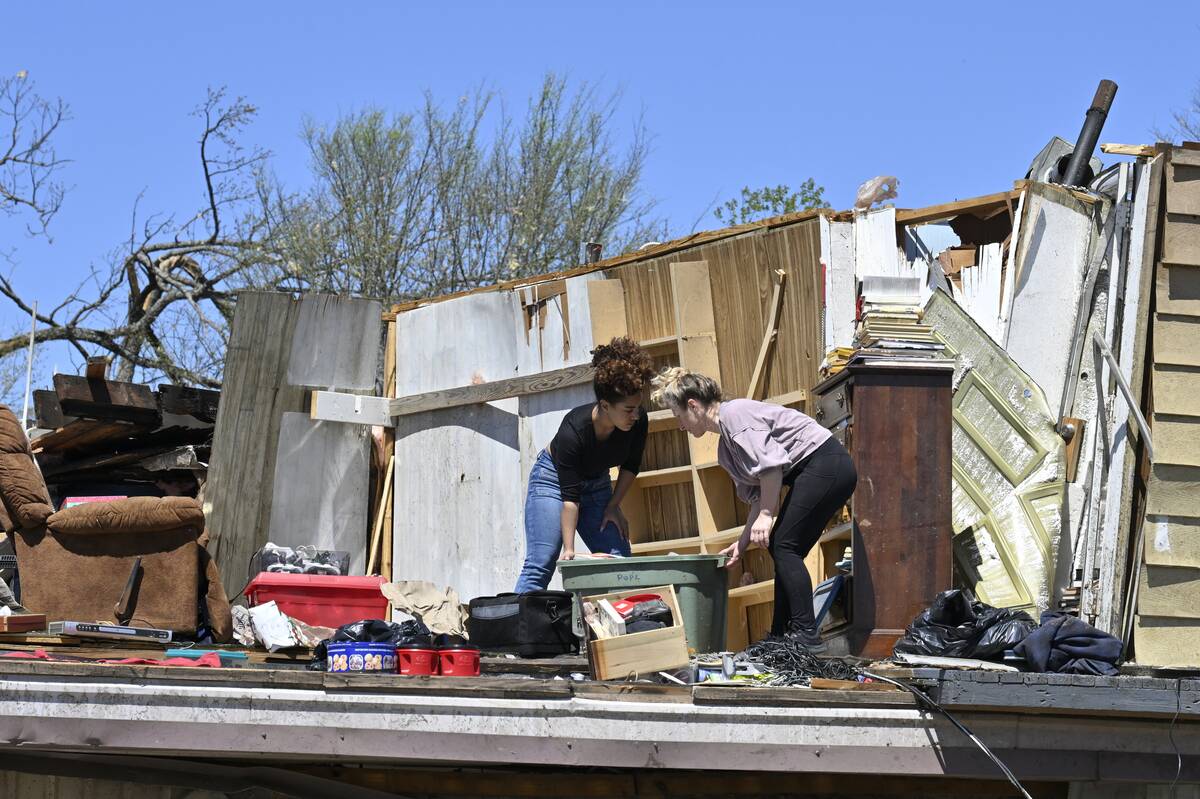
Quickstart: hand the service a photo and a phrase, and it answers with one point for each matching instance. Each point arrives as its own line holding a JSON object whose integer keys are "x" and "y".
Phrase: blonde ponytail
{"x": 675, "y": 385}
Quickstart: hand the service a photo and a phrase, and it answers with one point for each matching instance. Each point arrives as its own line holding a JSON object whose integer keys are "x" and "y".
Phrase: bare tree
{"x": 28, "y": 161}
{"x": 438, "y": 201}
{"x": 1185, "y": 123}
{"x": 163, "y": 306}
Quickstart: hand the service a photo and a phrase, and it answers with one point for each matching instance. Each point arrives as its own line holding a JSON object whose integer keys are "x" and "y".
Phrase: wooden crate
{"x": 640, "y": 653}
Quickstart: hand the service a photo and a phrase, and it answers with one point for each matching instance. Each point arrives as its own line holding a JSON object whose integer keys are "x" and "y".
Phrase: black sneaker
{"x": 809, "y": 639}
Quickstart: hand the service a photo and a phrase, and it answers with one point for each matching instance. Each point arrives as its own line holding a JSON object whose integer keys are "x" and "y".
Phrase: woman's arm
{"x": 612, "y": 513}
{"x": 569, "y": 521}
{"x": 770, "y": 487}
{"x": 734, "y": 551}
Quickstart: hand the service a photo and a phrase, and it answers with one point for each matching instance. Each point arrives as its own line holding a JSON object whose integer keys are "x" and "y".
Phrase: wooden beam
{"x": 934, "y": 213}
{"x": 97, "y": 367}
{"x": 1138, "y": 150}
{"x": 333, "y": 406}
{"x": 489, "y": 392}
{"x": 374, "y": 554}
{"x": 106, "y": 399}
{"x": 758, "y": 378}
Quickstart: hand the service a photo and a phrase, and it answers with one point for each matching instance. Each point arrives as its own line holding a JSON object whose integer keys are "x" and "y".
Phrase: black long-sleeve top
{"x": 578, "y": 456}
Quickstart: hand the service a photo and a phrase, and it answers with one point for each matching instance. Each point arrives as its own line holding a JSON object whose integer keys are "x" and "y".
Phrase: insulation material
{"x": 979, "y": 292}
{"x": 837, "y": 258}
{"x": 1008, "y": 468}
{"x": 320, "y": 487}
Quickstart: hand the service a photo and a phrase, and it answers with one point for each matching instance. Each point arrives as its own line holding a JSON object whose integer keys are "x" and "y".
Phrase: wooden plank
{"x": 695, "y": 326}
{"x": 389, "y": 446}
{"x": 106, "y": 399}
{"x": 255, "y": 395}
{"x": 1173, "y": 491}
{"x": 201, "y": 403}
{"x": 1163, "y": 641}
{"x": 375, "y": 548}
{"x": 824, "y": 684}
{"x": 683, "y": 546}
{"x": 716, "y": 507}
{"x": 975, "y": 205}
{"x": 758, "y": 384}
{"x": 1183, "y": 181}
{"x": 661, "y": 421}
{"x": 82, "y": 433}
{"x": 661, "y": 346}
{"x": 96, "y": 367}
{"x": 1176, "y": 440}
{"x": 660, "y": 477}
{"x": 1181, "y": 240}
{"x": 47, "y": 411}
{"x": 1178, "y": 290}
{"x": 1170, "y": 592}
{"x": 606, "y": 299}
{"x": 1172, "y": 541}
{"x": 797, "y": 697}
{"x": 1136, "y": 150}
{"x": 1176, "y": 340}
{"x": 333, "y": 406}
{"x": 492, "y": 391}
{"x": 1176, "y": 390}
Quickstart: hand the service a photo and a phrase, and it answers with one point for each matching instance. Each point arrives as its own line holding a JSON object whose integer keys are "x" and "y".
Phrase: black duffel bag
{"x": 533, "y": 624}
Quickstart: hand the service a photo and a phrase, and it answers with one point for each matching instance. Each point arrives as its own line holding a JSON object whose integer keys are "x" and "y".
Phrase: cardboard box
{"x": 640, "y": 653}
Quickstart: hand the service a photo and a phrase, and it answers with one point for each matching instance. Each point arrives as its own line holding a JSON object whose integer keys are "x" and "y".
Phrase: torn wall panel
{"x": 1051, "y": 261}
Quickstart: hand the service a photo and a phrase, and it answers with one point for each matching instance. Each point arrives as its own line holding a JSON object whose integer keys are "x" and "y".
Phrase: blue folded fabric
{"x": 1067, "y": 645}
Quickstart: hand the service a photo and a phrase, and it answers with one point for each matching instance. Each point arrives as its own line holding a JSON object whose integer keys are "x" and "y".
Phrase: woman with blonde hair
{"x": 569, "y": 485}
{"x": 765, "y": 447}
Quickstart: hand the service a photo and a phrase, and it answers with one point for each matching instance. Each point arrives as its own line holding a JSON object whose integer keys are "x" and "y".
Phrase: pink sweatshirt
{"x": 759, "y": 436}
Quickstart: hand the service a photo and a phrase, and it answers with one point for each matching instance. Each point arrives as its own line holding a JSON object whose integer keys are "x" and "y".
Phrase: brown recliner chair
{"x": 139, "y": 561}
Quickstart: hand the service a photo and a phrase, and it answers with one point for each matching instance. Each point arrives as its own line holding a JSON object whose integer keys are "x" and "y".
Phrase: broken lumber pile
{"x": 101, "y": 437}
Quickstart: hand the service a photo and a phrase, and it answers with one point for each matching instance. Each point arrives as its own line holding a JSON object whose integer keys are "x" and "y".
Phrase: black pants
{"x": 819, "y": 485}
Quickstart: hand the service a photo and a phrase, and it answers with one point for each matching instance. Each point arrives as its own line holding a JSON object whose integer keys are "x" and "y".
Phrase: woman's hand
{"x": 732, "y": 553}
{"x": 760, "y": 528}
{"x": 613, "y": 515}
{"x": 567, "y": 554}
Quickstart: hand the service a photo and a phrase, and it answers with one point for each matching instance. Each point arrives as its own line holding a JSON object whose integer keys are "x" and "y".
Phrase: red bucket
{"x": 416, "y": 660}
{"x": 458, "y": 662}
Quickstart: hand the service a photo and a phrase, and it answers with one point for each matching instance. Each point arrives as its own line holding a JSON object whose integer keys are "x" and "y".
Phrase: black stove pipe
{"x": 1073, "y": 175}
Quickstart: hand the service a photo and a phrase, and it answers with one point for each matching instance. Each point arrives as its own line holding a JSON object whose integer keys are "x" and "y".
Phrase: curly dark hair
{"x": 622, "y": 369}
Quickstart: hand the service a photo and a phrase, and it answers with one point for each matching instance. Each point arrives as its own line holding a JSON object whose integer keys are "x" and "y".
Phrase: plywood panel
{"x": 328, "y": 345}
{"x": 459, "y": 494}
{"x": 648, "y": 304}
{"x": 1177, "y": 340}
{"x": 738, "y": 310}
{"x": 320, "y": 487}
{"x": 799, "y": 351}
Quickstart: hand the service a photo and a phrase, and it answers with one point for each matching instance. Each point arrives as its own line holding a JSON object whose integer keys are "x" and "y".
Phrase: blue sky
{"x": 953, "y": 98}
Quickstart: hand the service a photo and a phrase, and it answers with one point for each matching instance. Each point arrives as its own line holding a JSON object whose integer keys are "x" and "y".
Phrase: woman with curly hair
{"x": 765, "y": 447}
{"x": 569, "y": 486}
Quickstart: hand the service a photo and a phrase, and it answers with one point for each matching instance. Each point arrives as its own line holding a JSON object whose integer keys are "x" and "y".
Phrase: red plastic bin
{"x": 326, "y": 600}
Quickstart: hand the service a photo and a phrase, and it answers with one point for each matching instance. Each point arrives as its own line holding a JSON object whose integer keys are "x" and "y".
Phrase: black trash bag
{"x": 957, "y": 626}
{"x": 372, "y": 631}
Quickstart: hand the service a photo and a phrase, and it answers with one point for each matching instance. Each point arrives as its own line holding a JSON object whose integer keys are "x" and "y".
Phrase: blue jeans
{"x": 543, "y": 523}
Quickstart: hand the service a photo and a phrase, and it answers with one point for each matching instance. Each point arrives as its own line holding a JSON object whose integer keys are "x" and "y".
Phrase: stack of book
{"x": 836, "y": 360}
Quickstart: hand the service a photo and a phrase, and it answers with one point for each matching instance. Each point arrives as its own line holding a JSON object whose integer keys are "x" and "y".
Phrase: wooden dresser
{"x": 895, "y": 418}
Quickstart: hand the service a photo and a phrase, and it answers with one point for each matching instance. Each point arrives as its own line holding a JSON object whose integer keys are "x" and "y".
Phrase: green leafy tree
{"x": 404, "y": 206}
{"x": 755, "y": 204}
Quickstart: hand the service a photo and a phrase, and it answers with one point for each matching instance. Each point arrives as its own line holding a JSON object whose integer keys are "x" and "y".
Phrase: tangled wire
{"x": 791, "y": 664}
